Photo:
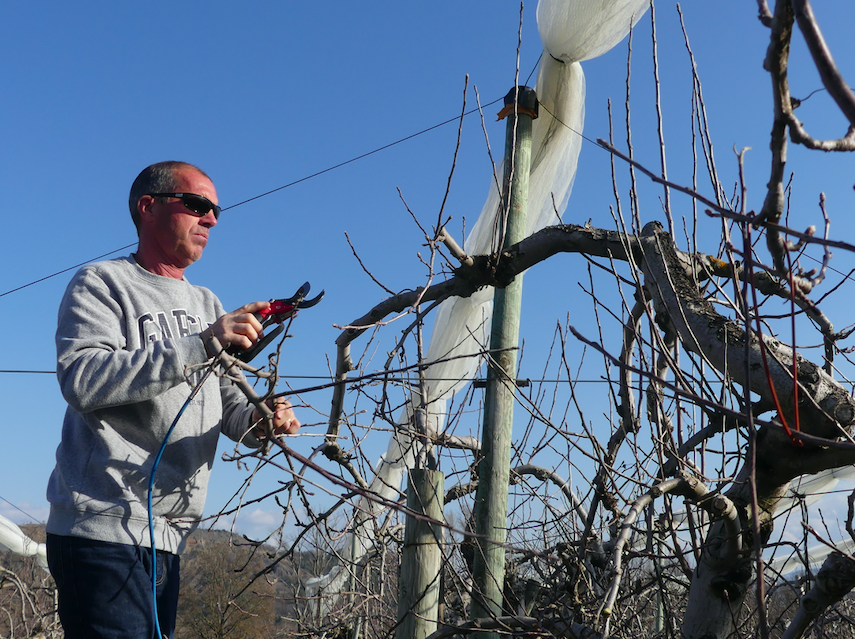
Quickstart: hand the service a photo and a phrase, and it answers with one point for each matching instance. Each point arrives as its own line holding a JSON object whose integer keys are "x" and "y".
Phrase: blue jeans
{"x": 105, "y": 588}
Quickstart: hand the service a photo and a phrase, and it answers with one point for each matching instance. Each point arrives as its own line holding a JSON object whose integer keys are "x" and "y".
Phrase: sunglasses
{"x": 197, "y": 204}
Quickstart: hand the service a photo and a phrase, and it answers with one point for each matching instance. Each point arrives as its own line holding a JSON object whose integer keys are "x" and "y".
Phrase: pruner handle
{"x": 250, "y": 353}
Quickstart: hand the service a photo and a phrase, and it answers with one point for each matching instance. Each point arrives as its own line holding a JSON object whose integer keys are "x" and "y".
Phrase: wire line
{"x": 276, "y": 190}
{"x": 377, "y": 377}
{"x": 364, "y": 155}
{"x": 65, "y": 270}
{"x": 20, "y": 510}
{"x": 22, "y": 372}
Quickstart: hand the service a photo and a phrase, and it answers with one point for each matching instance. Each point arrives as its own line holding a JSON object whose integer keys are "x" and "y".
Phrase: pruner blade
{"x": 282, "y": 309}
{"x": 279, "y": 311}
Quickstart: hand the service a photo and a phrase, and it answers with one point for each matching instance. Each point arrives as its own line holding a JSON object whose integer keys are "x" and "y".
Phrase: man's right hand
{"x": 239, "y": 329}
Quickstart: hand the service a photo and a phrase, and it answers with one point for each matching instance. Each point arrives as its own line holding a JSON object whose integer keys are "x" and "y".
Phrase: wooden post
{"x": 491, "y": 500}
{"x": 421, "y": 561}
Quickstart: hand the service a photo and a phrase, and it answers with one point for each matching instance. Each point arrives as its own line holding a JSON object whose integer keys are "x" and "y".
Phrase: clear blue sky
{"x": 263, "y": 94}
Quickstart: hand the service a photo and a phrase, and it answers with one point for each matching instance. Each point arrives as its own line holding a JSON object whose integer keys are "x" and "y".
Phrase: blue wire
{"x": 151, "y": 490}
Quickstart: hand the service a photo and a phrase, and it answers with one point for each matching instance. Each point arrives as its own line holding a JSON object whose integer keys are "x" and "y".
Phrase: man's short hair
{"x": 157, "y": 178}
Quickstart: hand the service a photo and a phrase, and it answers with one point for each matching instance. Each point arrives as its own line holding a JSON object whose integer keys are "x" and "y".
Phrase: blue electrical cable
{"x": 151, "y": 490}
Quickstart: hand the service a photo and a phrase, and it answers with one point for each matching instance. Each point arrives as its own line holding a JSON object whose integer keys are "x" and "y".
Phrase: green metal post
{"x": 491, "y": 500}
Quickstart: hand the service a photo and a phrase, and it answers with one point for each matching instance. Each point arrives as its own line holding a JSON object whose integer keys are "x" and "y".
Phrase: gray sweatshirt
{"x": 123, "y": 340}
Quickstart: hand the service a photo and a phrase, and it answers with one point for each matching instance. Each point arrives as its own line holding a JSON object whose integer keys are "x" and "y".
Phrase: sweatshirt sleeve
{"x": 94, "y": 367}
{"x": 237, "y": 415}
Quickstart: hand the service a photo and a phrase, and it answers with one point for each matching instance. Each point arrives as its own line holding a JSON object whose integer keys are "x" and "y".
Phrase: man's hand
{"x": 284, "y": 420}
{"x": 239, "y": 329}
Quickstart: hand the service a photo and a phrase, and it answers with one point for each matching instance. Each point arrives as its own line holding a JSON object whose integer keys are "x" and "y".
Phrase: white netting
{"x": 13, "y": 538}
{"x": 577, "y": 31}
{"x": 808, "y": 490}
{"x": 572, "y": 31}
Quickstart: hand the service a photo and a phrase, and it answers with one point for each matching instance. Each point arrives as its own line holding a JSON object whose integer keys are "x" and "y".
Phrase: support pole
{"x": 421, "y": 560}
{"x": 491, "y": 500}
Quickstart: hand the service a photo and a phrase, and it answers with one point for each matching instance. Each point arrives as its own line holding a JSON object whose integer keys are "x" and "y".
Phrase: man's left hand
{"x": 284, "y": 420}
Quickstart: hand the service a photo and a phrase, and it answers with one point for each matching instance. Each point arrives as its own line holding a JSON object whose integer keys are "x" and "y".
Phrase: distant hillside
{"x": 229, "y": 586}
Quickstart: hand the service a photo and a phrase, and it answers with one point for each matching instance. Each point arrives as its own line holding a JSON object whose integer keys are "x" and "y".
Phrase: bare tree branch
{"x": 824, "y": 61}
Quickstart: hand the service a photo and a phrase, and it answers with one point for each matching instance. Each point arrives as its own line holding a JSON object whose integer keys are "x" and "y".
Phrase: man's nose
{"x": 209, "y": 220}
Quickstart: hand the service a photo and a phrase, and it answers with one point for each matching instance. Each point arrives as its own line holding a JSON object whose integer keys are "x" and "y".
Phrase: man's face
{"x": 176, "y": 235}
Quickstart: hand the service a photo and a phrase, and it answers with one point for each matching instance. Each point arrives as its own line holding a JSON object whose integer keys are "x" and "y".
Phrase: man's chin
{"x": 189, "y": 258}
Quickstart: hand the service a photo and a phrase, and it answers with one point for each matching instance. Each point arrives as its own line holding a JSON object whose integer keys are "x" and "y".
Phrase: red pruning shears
{"x": 277, "y": 313}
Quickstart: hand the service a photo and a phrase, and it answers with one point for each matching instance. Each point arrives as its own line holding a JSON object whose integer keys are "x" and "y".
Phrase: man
{"x": 127, "y": 330}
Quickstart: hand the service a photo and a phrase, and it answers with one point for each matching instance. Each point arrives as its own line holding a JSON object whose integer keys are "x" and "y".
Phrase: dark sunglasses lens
{"x": 200, "y": 206}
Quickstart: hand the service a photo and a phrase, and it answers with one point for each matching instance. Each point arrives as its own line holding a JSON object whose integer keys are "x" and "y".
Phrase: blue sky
{"x": 264, "y": 94}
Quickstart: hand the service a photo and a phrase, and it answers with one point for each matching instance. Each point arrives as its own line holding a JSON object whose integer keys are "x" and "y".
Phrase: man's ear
{"x": 144, "y": 206}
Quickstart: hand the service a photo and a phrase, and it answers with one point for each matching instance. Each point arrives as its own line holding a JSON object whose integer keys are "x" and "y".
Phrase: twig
{"x": 364, "y": 268}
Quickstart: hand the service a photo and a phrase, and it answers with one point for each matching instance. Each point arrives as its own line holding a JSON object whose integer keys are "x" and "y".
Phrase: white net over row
{"x": 13, "y": 538}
